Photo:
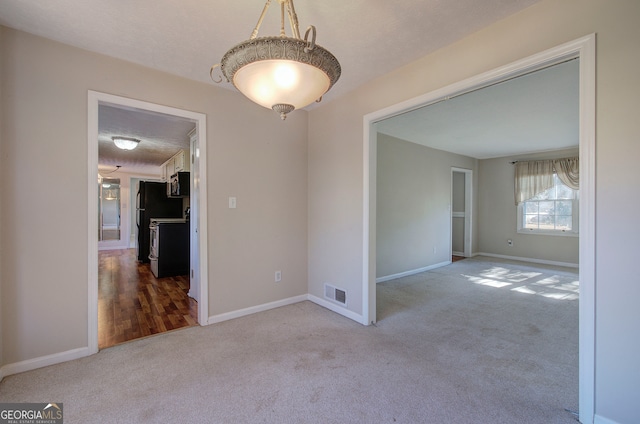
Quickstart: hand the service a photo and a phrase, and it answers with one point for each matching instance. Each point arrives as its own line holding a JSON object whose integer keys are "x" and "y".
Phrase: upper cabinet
{"x": 167, "y": 169}
{"x": 181, "y": 161}
{"x": 178, "y": 163}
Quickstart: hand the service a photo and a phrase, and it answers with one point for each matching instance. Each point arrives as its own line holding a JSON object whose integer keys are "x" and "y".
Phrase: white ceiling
{"x": 532, "y": 113}
{"x": 187, "y": 37}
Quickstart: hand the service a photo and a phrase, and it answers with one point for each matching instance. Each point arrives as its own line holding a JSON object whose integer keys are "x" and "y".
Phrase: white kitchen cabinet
{"x": 181, "y": 161}
{"x": 168, "y": 169}
{"x": 178, "y": 163}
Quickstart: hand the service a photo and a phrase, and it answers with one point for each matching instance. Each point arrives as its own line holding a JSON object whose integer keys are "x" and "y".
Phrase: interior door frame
{"x": 96, "y": 98}
{"x": 125, "y": 224}
{"x": 194, "y": 216}
{"x": 468, "y": 210}
{"x": 583, "y": 48}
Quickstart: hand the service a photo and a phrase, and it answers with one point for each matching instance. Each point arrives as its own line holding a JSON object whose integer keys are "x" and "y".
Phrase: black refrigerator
{"x": 152, "y": 202}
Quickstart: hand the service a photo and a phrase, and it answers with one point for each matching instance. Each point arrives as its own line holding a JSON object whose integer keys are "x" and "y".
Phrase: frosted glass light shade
{"x": 272, "y": 82}
{"x": 280, "y": 73}
{"x": 125, "y": 143}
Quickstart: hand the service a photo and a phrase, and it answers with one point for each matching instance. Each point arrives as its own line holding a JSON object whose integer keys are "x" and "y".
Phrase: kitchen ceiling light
{"x": 279, "y": 72}
{"x": 125, "y": 143}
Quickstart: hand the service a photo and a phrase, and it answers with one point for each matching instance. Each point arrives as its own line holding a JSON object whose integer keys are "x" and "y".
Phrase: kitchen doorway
{"x": 199, "y": 250}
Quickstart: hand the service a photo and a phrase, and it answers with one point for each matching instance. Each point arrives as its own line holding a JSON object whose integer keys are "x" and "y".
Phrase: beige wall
{"x": 336, "y": 166}
{"x": 252, "y": 155}
{"x": 498, "y": 215}
{"x": 413, "y": 205}
{"x": 413, "y": 191}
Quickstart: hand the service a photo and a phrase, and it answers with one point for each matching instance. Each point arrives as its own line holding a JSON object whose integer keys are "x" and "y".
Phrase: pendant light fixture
{"x": 280, "y": 72}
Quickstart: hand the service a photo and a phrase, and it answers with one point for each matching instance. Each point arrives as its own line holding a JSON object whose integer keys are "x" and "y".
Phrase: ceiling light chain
{"x": 110, "y": 172}
{"x": 280, "y": 73}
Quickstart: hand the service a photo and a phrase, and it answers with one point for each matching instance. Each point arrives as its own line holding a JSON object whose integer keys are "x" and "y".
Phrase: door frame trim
{"x": 583, "y": 48}
{"x": 96, "y": 98}
{"x": 468, "y": 211}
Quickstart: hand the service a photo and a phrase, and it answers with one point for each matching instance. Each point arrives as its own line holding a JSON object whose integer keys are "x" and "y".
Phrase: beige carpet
{"x": 479, "y": 341}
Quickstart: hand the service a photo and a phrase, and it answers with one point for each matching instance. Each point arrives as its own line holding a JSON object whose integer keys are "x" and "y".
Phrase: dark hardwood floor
{"x": 455, "y": 258}
{"x": 132, "y": 303}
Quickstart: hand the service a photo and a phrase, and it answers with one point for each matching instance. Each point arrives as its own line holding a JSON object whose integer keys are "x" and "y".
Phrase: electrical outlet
{"x": 510, "y": 242}
{"x": 278, "y": 276}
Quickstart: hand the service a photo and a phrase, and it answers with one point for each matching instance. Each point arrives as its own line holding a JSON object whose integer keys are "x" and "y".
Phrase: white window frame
{"x": 575, "y": 213}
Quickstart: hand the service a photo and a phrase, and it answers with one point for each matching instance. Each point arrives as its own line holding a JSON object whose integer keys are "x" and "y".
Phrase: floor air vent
{"x": 335, "y": 294}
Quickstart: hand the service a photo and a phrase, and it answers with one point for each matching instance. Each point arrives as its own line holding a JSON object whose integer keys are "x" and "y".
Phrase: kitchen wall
{"x": 498, "y": 215}
{"x": 336, "y": 184}
{"x": 413, "y": 205}
{"x": 43, "y": 161}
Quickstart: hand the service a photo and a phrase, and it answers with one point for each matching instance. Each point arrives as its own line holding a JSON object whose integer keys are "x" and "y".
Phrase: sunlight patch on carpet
{"x": 554, "y": 286}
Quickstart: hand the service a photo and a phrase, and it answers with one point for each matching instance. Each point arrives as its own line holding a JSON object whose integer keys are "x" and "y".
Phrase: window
{"x": 554, "y": 211}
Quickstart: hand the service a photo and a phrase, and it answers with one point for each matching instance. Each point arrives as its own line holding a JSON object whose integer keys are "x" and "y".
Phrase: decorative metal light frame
{"x": 280, "y": 72}
{"x": 125, "y": 143}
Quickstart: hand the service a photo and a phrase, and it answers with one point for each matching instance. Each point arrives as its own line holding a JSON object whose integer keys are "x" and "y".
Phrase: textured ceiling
{"x": 369, "y": 37}
{"x": 161, "y": 136}
{"x": 187, "y": 37}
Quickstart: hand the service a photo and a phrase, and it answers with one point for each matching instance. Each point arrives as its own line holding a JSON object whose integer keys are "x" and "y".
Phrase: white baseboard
{"x": 535, "y": 261}
{"x": 43, "y": 361}
{"x": 56, "y": 358}
{"x": 284, "y": 302}
{"x": 119, "y": 246}
{"x": 598, "y": 419}
{"x": 337, "y": 309}
{"x": 254, "y": 309}
{"x": 411, "y": 272}
{"x": 457, "y": 253}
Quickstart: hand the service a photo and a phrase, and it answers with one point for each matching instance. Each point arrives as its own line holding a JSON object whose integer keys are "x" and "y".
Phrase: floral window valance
{"x": 536, "y": 176}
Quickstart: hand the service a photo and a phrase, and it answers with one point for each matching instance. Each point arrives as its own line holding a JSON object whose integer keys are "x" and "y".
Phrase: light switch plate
{"x": 232, "y": 202}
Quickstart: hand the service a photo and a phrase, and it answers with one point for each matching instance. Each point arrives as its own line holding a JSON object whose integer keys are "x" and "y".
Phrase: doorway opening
{"x": 584, "y": 49}
{"x": 109, "y": 209}
{"x": 461, "y": 213}
{"x": 195, "y": 225}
